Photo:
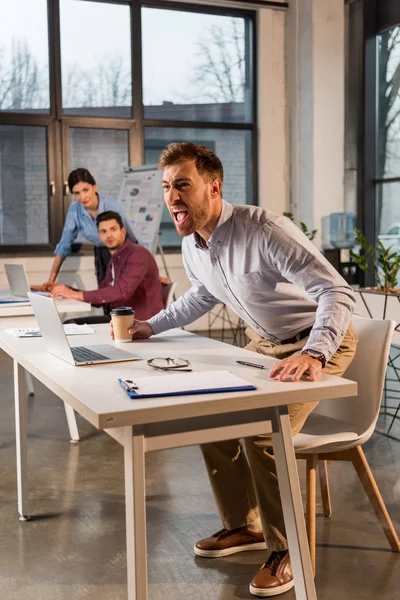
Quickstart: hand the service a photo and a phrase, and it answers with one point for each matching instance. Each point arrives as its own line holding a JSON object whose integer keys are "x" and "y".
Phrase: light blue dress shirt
{"x": 78, "y": 220}
{"x": 268, "y": 272}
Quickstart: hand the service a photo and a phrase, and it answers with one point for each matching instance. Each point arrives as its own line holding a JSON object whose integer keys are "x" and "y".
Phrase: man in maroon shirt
{"x": 131, "y": 278}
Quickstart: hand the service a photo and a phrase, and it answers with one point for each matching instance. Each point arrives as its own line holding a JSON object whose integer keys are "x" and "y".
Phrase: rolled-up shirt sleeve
{"x": 69, "y": 234}
{"x": 195, "y": 303}
{"x": 304, "y": 265}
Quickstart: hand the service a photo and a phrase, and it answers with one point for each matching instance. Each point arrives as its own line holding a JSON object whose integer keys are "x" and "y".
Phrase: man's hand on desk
{"x": 62, "y": 291}
{"x": 295, "y": 366}
{"x": 44, "y": 287}
{"x": 140, "y": 331}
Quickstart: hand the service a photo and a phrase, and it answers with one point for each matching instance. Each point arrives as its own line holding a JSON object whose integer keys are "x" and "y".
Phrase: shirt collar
{"x": 221, "y": 229}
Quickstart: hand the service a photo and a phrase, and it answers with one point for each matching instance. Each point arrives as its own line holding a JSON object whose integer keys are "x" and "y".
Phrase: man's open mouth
{"x": 180, "y": 216}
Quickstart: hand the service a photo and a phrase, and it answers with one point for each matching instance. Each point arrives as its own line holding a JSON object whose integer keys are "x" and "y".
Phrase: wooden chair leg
{"x": 364, "y": 473}
{"x": 324, "y": 483}
{"x": 311, "y": 466}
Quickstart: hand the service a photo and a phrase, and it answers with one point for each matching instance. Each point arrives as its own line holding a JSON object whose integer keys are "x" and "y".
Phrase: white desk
{"x": 20, "y": 314}
{"x": 154, "y": 424}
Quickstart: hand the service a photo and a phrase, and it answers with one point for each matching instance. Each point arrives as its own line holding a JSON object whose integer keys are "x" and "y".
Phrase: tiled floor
{"x": 74, "y": 547}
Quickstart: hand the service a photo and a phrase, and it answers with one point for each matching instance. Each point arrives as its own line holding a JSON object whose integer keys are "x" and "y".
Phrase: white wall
{"x": 273, "y": 164}
{"x": 273, "y": 171}
{"x": 315, "y": 80}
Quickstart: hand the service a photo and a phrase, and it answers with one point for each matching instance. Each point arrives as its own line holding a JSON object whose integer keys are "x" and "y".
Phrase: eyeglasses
{"x": 170, "y": 364}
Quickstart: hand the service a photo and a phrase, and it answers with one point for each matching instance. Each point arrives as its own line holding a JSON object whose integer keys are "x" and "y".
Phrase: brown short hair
{"x": 207, "y": 163}
{"x": 108, "y": 215}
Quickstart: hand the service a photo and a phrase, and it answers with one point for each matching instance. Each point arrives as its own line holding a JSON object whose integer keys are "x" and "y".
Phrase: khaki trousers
{"x": 242, "y": 484}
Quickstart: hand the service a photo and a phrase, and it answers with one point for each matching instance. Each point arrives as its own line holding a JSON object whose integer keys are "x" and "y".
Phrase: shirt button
{"x": 214, "y": 260}
{"x": 225, "y": 285}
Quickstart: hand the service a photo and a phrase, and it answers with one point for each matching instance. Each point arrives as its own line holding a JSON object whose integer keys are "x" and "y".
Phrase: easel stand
{"x": 234, "y": 332}
{"x": 164, "y": 262}
{"x": 161, "y": 251}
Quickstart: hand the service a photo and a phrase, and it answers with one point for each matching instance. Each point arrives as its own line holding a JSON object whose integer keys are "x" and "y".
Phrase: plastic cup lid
{"x": 122, "y": 310}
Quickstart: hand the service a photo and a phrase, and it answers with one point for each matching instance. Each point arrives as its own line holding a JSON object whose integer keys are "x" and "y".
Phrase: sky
{"x": 93, "y": 31}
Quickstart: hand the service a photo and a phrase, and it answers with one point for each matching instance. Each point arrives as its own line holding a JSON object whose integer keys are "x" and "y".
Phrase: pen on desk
{"x": 249, "y": 364}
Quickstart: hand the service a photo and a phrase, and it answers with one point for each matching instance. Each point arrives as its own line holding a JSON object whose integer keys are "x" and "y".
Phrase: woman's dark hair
{"x": 80, "y": 175}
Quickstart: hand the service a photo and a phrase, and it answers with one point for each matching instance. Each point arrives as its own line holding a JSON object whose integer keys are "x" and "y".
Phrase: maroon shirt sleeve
{"x": 128, "y": 281}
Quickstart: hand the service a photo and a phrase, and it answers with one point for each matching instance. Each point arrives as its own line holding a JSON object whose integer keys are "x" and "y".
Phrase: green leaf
{"x": 289, "y": 215}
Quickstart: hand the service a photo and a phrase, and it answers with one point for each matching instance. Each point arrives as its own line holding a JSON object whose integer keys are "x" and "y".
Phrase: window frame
{"x": 56, "y": 121}
{"x": 378, "y": 17}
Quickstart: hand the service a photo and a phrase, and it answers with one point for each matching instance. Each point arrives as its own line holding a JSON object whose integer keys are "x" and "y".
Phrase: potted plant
{"x": 309, "y": 233}
{"x": 383, "y": 300}
{"x": 386, "y": 264}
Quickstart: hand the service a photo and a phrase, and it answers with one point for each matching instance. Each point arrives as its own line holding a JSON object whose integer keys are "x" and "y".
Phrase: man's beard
{"x": 199, "y": 217}
{"x": 115, "y": 246}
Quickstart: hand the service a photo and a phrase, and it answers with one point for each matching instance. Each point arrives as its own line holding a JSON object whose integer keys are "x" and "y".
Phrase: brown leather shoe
{"x": 229, "y": 541}
{"x": 275, "y": 576}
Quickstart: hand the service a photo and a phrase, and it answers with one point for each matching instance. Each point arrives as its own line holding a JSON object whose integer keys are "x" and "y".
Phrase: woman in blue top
{"x": 81, "y": 218}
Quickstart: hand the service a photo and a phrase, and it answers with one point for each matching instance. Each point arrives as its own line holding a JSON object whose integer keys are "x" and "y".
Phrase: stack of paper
{"x": 70, "y": 329}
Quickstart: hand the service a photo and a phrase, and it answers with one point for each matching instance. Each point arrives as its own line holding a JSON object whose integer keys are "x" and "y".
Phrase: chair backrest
{"x": 167, "y": 292}
{"x": 368, "y": 369}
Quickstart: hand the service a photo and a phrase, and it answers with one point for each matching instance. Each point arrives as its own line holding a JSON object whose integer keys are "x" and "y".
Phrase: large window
{"x": 205, "y": 72}
{"x": 388, "y": 137}
{"x": 96, "y": 59}
{"x": 24, "y": 62}
{"x": 104, "y": 84}
{"x": 23, "y": 193}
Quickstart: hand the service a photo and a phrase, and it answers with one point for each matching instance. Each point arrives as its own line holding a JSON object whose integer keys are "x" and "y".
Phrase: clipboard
{"x": 184, "y": 384}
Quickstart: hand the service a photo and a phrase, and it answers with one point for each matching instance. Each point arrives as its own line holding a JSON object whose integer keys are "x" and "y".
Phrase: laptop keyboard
{"x": 82, "y": 354}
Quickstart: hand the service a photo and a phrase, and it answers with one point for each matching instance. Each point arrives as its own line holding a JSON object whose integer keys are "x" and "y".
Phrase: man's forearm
{"x": 184, "y": 310}
{"x": 332, "y": 319}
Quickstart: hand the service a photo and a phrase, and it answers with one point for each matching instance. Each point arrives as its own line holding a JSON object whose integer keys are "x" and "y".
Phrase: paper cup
{"x": 123, "y": 318}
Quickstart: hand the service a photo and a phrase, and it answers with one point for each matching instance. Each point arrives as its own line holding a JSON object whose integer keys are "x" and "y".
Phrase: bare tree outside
{"x": 388, "y": 126}
{"x": 107, "y": 84}
{"x": 23, "y": 83}
{"x": 220, "y": 73}
{"x": 389, "y": 102}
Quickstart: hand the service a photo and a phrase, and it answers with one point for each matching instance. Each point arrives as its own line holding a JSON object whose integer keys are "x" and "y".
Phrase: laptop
{"x": 18, "y": 283}
{"x": 57, "y": 343}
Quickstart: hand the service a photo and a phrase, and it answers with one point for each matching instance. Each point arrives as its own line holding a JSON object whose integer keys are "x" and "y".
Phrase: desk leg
{"x": 21, "y": 440}
{"x": 72, "y": 426}
{"x": 292, "y": 505}
{"x": 69, "y": 412}
{"x": 135, "y": 507}
{"x": 29, "y": 384}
